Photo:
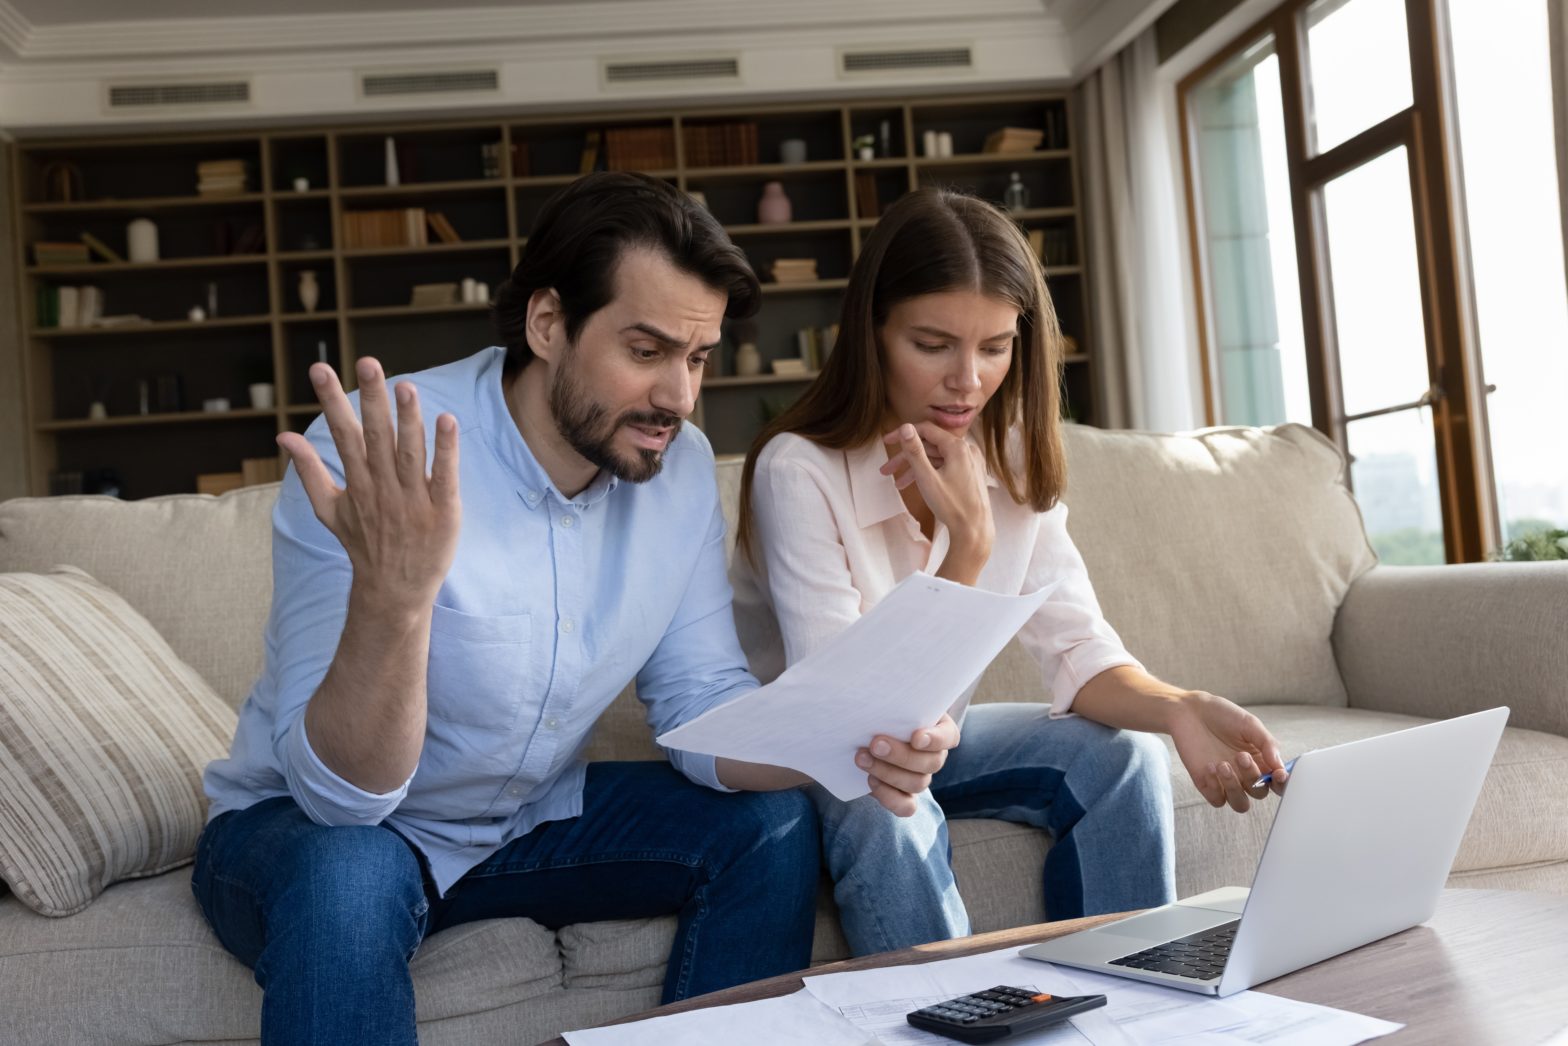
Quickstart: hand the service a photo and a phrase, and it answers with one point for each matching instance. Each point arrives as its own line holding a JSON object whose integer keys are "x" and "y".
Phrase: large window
{"x": 1337, "y": 266}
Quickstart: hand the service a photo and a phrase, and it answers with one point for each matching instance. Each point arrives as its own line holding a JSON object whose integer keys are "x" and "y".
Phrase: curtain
{"x": 1144, "y": 351}
{"x": 1557, "y": 21}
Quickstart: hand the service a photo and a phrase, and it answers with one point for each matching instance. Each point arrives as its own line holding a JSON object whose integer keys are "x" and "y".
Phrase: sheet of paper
{"x": 786, "y": 1021}
{"x": 1134, "y": 1013}
{"x": 893, "y": 671}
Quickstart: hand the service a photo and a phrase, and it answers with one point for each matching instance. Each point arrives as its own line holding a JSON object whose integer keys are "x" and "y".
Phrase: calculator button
{"x": 1039, "y": 998}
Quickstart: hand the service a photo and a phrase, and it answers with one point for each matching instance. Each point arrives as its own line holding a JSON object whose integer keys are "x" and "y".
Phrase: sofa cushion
{"x": 104, "y": 733}
{"x": 1221, "y": 557}
{"x": 198, "y": 568}
{"x": 141, "y": 965}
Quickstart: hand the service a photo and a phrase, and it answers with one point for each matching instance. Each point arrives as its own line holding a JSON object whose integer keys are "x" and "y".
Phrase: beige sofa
{"x": 1233, "y": 560}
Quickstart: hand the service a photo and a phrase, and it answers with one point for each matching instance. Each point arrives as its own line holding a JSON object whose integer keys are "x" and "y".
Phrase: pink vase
{"x": 774, "y": 207}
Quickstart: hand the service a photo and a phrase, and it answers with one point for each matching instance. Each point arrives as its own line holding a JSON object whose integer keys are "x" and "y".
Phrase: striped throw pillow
{"x": 104, "y": 733}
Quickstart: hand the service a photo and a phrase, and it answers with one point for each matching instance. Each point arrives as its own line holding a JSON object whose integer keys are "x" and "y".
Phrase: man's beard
{"x": 583, "y": 423}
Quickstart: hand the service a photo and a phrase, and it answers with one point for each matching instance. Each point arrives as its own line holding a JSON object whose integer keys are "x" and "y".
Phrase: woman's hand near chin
{"x": 951, "y": 481}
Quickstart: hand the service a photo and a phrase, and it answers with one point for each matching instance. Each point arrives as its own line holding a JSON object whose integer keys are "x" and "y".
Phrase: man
{"x": 439, "y": 647}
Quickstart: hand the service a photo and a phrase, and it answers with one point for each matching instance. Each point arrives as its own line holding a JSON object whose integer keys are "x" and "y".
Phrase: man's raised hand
{"x": 398, "y": 525}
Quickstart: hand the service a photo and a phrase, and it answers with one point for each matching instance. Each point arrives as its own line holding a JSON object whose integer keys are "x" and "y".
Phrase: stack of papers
{"x": 853, "y": 1009}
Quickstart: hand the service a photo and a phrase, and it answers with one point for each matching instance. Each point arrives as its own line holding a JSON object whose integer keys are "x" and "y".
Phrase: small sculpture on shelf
{"x": 748, "y": 361}
{"x": 774, "y": 208}
{"x": 1016, "y": 196}
{"x": 309, "y": 290}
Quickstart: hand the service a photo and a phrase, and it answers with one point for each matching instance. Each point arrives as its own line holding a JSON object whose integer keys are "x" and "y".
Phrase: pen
{"x": 1266, "y": 778}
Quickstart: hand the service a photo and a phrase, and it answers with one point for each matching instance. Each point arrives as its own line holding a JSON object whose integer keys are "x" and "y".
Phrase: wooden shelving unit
{"x": 263, "y": 334}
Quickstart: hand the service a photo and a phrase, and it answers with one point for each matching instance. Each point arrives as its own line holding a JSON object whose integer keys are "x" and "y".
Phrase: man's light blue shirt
{"x": 552, "y": 605}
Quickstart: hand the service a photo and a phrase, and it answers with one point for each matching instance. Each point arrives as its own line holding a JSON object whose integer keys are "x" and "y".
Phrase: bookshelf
{"x": 487, "y": 179}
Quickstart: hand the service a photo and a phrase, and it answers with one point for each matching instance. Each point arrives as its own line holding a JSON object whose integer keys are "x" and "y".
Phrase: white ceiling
{"x": 301, "y": 56}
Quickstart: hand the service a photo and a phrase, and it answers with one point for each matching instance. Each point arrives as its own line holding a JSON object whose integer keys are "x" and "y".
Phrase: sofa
{"x": 1232, "y": 560}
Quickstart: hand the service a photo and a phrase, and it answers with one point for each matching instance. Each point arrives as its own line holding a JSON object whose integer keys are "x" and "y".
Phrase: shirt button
{"x": 532, "y": 499}
{"x": 552, "y": 722}
{"x": 514, "y": 791}
{"x": 567, "y": 626}
{"x": 567, "y": 521}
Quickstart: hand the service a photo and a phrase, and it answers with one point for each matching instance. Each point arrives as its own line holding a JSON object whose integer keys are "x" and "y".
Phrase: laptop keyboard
{"x": 1200, "y": 956}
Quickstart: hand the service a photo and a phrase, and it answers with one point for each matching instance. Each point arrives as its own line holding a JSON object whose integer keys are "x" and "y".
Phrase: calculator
{"x": 1000, "y": 1013}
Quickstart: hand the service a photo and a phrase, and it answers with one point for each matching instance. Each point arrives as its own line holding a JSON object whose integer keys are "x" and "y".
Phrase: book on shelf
{"x": 221, "y": 177}
{"x": 67, "y": 253}
{"x": 589, "y": 161}
{"x": 721, "y": 144}
{"x": 216, "y": 483}
{"x": 403, "y": 227}
{"x": 254, "y": 471}
{"x": 521, "y": 164}
{"x": 815, "y": 344}
{"x": 442, "y": 228}
{"x": 639, "y": 148}
{"x": 1013, "y": 140}
{"x": 69, "y": 308}
{"x": 866, "y": 194}
{"x": 426, "y": 294}
{"x": 98, "y": 247}
{"x": 793, "y": 270}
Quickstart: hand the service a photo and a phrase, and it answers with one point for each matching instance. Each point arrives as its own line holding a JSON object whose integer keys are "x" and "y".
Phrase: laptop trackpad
{"x": 1167, "y": 924}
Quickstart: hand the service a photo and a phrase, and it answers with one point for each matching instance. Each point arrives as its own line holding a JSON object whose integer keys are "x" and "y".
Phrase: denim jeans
{"x": 328, "y": 918}
{"x": 1103, "y": 795}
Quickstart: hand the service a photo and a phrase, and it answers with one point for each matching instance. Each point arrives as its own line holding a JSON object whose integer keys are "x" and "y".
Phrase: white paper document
{"x": 894, "y": 671}
{"x": 786, "y": 1021}
{"x": 876, "y": 1001}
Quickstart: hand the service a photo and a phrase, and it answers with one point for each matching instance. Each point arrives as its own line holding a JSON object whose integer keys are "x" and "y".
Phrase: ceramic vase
{"x": 748, "y": 361}
{"x": 309, "y": 290}
{"x": 774, "y": 207}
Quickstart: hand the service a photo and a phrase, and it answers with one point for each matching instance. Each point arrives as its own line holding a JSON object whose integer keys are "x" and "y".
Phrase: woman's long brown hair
{"x": 929, "y": 242}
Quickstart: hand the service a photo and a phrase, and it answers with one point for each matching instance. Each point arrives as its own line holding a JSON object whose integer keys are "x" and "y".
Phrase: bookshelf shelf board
{"x": 1044, "y": 212}
{"x": 993, "y": 159}
{"x": 1063, "y": 270}
{"x": 184, "y": 417}
{"x": 885, "y": 163}
{"x": 153, "y": 327}
{"x": 1076, "y": 357}
{"x": 735, "y": 381}
{"x": 421, "y": 189}
{"x": 319, "y": 316}
{"x": 546, "y": 180}
{"x": 323, "y": 254}
{"x": 143, "y": 203}
{"x": 429, "y": 248}
{"x": 163, "y": 263}
{"x": 284, "y": 195}
{"x": 805, "y": 286}
{"x": 303, "y": 408}
{"x": 765, "y": 171}
{"x": 415, "y": 310}
{"x": 786, "y": 228}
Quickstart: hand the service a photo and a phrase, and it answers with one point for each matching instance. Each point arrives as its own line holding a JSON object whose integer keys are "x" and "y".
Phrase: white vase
{"x": 141, "y": 236}
{"x": 748, "y": 361}
{"x": 309, "y": 290}
{"x": 392, "y": 177}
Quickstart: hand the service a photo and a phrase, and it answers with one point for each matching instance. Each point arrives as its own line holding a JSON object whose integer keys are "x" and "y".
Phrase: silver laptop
{"x": 1360, "y": 848}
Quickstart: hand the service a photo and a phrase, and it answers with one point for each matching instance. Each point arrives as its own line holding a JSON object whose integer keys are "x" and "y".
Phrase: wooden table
{"x": 1491, "y": 966}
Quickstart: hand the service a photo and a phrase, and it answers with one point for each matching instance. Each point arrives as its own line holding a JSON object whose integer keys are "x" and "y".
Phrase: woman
{"x": 931, "y": 442}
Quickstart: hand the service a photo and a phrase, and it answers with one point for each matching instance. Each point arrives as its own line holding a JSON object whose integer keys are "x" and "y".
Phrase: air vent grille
{"x": 905, "y": 59}
{"x": 680, "y": 69}
{"x": 147, "y": 96}
{"x": 381, "y": 84}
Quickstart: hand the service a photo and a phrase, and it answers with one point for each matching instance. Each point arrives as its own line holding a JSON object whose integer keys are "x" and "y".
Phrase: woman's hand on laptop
{"x": 1225, "y": 748}
{"x": 900, "y": 770}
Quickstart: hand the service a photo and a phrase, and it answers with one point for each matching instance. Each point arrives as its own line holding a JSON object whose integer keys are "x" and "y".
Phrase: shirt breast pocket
{"x": 479, "y": 667}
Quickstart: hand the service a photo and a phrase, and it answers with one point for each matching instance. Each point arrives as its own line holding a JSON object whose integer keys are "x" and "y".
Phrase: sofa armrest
{"x": 1444, "y": 641}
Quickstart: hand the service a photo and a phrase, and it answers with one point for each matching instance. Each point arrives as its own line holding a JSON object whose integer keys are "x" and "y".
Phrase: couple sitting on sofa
{"x": 441, "y": 642}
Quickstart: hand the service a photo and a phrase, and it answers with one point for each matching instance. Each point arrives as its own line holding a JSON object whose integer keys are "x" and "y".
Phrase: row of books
{"x": 639, "y": 148}
{"x": 69, "y": 306}
{"x": 221, "y": 177}
{"x": 58, "y": 253}
{"x": 401, "y": 227}
{"x": 1013, "y": 140}
{"x": 720, "y": 144}
{"x": 793, "y": 270}
{"x": 816, "y": 344}
{"x": 253, "y": 471}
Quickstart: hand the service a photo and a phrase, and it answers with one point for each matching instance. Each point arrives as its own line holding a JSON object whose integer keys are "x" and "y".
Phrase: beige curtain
{"x": 1147, "y": 365}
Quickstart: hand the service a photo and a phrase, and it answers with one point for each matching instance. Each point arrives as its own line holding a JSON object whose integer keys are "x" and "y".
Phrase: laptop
{"x": 1360, "y": 848}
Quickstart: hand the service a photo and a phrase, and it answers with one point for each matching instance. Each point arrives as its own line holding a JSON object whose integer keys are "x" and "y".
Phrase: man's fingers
{"x": 313, "y": 475}
{"x": 375, "y": 416}
{"x": 942, "y": 736}
{"x": 347, "y": 434}
{"x": 1235, "y": 794}
{"x": 443, "y": 471}
{"x": 895, "y": 801}
{"x": 410, "y": 437}
{"x": 905, "y": 756}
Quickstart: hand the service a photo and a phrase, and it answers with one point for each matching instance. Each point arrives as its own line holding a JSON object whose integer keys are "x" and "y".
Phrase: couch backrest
{"x": 1221, "y": 557}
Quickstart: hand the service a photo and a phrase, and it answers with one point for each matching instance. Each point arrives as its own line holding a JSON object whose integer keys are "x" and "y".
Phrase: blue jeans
{"x": 328, "y": 918}
{"x": 1103, "y": 795}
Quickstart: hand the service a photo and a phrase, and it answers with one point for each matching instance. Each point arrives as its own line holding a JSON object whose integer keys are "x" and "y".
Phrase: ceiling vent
{"x": 140, "y": 97}
{"x": 866, "y": 61}
{"x": 380, "y": 85}
{"x": 707, "y": 70}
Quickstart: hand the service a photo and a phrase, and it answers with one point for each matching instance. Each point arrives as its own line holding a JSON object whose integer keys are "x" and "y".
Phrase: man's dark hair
{"x": 580, "y": 235}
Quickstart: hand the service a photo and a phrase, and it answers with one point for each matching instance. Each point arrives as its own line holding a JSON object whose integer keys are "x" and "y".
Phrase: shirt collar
{"x": 509, "y": 447}
{"x": 876, "y": 496}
